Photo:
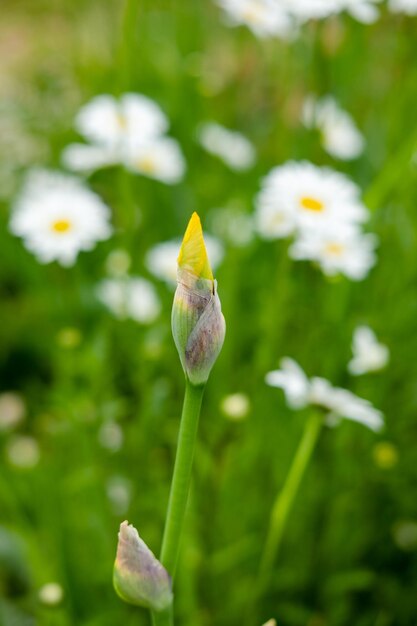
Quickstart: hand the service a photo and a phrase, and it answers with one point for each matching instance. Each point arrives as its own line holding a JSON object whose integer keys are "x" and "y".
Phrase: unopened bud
{"x": 138, "y": 576}
{"x": 198, "y": 324}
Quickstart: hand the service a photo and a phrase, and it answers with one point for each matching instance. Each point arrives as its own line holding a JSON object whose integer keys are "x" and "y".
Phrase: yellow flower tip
{"x": 193, "y": 254}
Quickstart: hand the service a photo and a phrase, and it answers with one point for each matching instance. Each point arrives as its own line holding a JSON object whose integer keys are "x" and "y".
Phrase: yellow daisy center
{"x": 334, "y": 249}
{"x": 61, "y": 226}
{"x": 146, "y": 164}
{"x": 252, "y": 14}
{"x": 312, "y": 204}
{"x": 121, "y": 120}
{"x": 277, "y": 219}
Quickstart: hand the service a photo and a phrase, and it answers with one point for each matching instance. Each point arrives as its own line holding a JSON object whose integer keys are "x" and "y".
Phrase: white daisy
{"x": 161, "y": 260}
{"x": 302, "y": 194}
{"x": 339, "y": 134}
{"x": 304, "y": 10}
{"x": 57, "y": 216}
{"x": 338, "y": 403}
{"x": 273, "y": 219}
{"x": 368, "y": 354}
{"x": 232, "y": 225}
{"x": 364, "y": 11}
{"x": 133, "y": 298}
{"x": 79, "y": 157}
{"x": 159, "y": 158}
{"x": 128, "y": 131}
{"x": 265, "y": 18}
{"x": 232, "y": 147}
{"x": 342, "y": 403}
{"x": 110, "y": 121}
{"x": 338, "y": 250}
{"x": 293, "y": 381}
{"x": 403, "y": 6}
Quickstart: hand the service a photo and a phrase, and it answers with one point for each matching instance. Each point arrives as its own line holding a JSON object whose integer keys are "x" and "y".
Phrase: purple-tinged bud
{"x": 138, "y": 576}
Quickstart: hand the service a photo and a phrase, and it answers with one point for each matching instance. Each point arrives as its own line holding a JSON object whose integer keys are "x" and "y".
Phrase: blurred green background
{"x": 350, "y": 551}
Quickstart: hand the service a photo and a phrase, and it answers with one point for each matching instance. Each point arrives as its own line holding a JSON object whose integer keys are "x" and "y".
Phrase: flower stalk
{"x": 284, "y": 501}
{"x": 181, "y": 476}
{"x": 198, "y": 329}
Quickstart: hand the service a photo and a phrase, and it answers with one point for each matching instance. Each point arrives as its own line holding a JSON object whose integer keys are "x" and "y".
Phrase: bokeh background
{"x": 90, "y": 404}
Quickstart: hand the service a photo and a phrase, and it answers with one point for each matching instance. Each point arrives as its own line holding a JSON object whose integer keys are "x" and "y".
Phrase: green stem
{"x": 285, "y": 500}
{"x": 181, "y": 478}
{"x": 127, "y": 53}
{"x": 390, "y": 175}
{"x": 180, "y": 487}
{"x": 163, "y": 618}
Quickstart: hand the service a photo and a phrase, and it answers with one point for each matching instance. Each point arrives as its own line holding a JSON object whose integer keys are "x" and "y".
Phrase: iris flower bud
{"x": 138, "y": 576}
{"x": 198, "y": 324}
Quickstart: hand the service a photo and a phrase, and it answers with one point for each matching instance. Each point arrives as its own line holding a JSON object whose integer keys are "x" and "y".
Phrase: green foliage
{"x": 344, "y": 559}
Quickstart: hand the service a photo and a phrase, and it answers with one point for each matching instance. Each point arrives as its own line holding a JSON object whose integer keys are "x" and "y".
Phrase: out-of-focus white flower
{"x": 159, "y": 158}
{"x": 270, "y": 622}
{"x": 232, "y": 225}
{"x": 130, "y": 297}
{"x": 364, "y": 11}
{"x": 161, "y": 260}
{"x": 309, "y": 196}
{"x": 403, "y": 6}
{"x": 368, "y": 354}
{"x": 128, "y": 131}
{"x": 293, "y": 381}
{"x": 301, "y": 391}
{"x": 274, "y": 220}
{"x": 405, "y": 534}
{"x": 338, "y": 250}
{"x": 110, "y": 436}
{"x": 51, "y": 594}
{"x": 118, "y": 263}
{"x": 232, "y": 147}
{"x": 110, "y": 121}
{"x": 342, "y": 403}
{"x": 265, "y": 18}
{"x": 57, "y": 216}
{"x": 12, "y": 410}
{"x": 339, "y": 133}
{"x": 235, "y": 406}
{"x": 280, "y": 18}
{"x": 23, "y": 451}
{"x": 79, "y": 157}
{"x": 119, "y": 492}
{"x": 323, "y": 209}
{"x": 305, "y": 10}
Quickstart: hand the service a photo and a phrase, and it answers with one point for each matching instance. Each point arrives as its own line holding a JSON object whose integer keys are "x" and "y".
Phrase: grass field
{"x": 91, "y": 399}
